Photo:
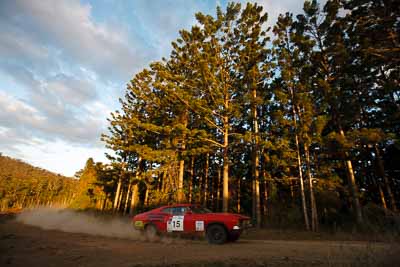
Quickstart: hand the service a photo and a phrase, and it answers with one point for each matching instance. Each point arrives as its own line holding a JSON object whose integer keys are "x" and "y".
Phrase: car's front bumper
{"x": 139, "y": 225}
{"x": 243, "y": 225}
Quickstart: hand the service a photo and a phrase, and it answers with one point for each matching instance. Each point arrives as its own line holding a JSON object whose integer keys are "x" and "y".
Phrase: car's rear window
{"x": 179, "y": 210}
{"x": 182, "y": 210}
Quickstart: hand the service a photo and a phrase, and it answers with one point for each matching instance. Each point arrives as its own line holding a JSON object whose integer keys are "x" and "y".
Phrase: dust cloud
{"x": 79, "y": 222}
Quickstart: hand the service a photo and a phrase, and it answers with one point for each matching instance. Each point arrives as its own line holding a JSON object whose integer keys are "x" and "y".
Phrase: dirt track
{"x": 23, "y": 245}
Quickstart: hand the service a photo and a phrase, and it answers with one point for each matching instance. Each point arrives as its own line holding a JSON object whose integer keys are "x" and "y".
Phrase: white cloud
{"x": 162, "y": 20}
{"x": 62, "y": 146}
{"x": 276, "y": 7}
{"x": 15, "y": 112}
{"x": 46, "y": 31}
{"x": 56, "y": 111}
{"x": 71, "y": 90}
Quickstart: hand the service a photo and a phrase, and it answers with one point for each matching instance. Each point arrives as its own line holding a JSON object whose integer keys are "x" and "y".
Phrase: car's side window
{"x": 167, "y": 210}
{"x": 179, "y": 210}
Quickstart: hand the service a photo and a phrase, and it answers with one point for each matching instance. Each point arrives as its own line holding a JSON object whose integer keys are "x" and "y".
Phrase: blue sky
{"x": 65, "y": 63}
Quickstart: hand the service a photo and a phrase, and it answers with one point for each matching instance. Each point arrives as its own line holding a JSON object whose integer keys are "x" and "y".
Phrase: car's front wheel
{"x": 151, "y": 233}
{"x": 216, "y": 234}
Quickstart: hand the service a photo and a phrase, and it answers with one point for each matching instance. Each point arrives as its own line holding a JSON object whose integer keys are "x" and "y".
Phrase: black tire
{"x": 151, "y": 233}
{"x": 216, "y": 234}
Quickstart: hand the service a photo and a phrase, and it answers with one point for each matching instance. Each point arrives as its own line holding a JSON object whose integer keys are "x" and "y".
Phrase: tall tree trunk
{"x": 98, "y": 204}
{"x": 238, "y": 194}
{"x": 253, "y": 200}
{"x": 299, "y": 165}
{"x": 128, "y": 192}
{"x": 166, "y": 182}
{"x": 146, "y": 197}
{"x": 314, "y": 212}
{"x": 265, "y": 203}
{"x": 382, "y": 173}
{"x": 258, "y": 206}
{"x": 218, "y": 198}
{"x": 181, "y": 196}
{"x": 135, "y": 188}
{"x": 103, "y": 205}
{"x": 256, "y": 163}
{"x": 191, "y": 180}
{"x": 225, "y": 191}
{"x": 37, "y": 198}
{"x": 22, "y": 202}
{"x": 134, "y": 198}
{"x": 117, "y": 194}
{"x": 266, "y": 190}
{"x": 352, "y": 184}
{"x": 200, "y": 189}
{"x": 377, "y": 183}
{"x": 211, "y": 196}
{"x": 303, "y": 197}
{"x": 120, "y": 199}
{"x": 205, "y": 199}
{"x": 180, "y": 178}
{"x": 291, "y": 187}
{"x": 382, "y": 195}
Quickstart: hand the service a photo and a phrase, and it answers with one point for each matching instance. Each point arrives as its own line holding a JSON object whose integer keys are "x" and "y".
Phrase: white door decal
{"x": 169, "y": 226}
{"x": 176, "y": 224}
{"x": 199, "y": 225}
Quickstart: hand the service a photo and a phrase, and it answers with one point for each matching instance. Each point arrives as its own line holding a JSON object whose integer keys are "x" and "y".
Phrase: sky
{"x": 65, "y": 63}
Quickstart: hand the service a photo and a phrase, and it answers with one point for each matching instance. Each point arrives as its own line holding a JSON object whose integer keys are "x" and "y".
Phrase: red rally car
{"x": 190, "y": 219}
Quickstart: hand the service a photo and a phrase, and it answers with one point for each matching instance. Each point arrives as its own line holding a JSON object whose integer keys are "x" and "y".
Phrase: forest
{"x": 25, "y": 186}
{"x": 296, "y": 125}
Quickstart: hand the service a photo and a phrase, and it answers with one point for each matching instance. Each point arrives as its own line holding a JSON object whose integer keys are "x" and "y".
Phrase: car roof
{"x": 178, "y": 205}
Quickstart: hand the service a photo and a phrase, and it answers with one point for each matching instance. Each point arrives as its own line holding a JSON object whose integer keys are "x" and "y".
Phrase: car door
{"x": 176, "y": 221}
{"x": 194, "y": 222}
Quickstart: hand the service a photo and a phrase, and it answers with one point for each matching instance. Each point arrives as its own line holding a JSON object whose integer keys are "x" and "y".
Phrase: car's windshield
{"x": 198, "y": 209}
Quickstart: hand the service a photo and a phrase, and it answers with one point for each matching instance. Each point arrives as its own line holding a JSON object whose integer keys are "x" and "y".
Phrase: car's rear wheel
{"x": 151, "y": 233}
{"x": 216, "y": 234}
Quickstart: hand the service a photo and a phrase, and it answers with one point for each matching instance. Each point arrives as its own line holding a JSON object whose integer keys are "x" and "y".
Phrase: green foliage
{"x": 85, "y": 197}
{"x": 22, "y": 185}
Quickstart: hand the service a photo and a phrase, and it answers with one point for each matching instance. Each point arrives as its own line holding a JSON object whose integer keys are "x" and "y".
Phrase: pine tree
{"x": 253, "y": 68}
